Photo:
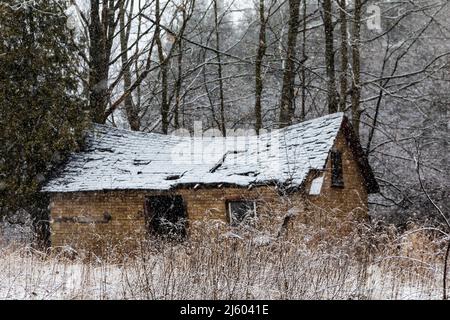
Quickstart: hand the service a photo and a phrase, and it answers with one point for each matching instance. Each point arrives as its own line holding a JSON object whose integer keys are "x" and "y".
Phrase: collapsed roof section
{"x": 116, "y": 159}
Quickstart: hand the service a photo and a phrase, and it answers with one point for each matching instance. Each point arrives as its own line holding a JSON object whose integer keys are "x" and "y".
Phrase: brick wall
{"x": 101, "y": 220}
{"x": 80, "y": 217}
{"x": 344, "y": 203}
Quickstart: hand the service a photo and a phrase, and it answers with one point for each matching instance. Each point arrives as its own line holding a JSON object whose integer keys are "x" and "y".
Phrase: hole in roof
{"x": 248, "y": 174}
{"x": 105, "y": 150}
{"x": 173, "y": 177}
{"x": 138, "y": 162}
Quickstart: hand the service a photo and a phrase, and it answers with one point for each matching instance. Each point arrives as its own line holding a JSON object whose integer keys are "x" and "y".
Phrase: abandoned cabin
{"x": 124, "y": 185}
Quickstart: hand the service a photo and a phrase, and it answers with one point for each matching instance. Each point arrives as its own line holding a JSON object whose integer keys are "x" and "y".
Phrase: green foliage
{"x": 41, "y": 113}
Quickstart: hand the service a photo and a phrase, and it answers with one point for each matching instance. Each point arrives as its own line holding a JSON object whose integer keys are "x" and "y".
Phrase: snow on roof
{"x": 116, "y": 159}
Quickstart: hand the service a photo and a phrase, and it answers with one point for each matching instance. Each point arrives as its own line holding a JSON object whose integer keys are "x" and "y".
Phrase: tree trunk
{"x": 132, "y": 114}
{"x": 258, "y": 67}
{"x": 344, "y": 54}
{"x": 287, "y": 93}
{"x": 219, "y": 70}
{"x": 101, "y": 37}
{"x": 163, "y": 71}
{"x": 356, "y": 66}
{"x": 137, "y": 101}
{"x": 303, "y": 71}
{"x": 329, "y": 56}
{"x": 178, "y": 85}
{"x": 98, "y": 71}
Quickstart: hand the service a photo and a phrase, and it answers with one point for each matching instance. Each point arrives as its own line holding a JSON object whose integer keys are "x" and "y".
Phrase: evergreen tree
{"x": 41, "y": 112}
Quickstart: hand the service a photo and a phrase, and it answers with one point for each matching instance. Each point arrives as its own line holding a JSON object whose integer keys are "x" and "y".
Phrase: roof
{"x": 117, "y": 159}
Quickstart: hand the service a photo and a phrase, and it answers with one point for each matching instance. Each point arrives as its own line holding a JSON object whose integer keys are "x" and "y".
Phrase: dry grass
{"x": 251, "y": 265}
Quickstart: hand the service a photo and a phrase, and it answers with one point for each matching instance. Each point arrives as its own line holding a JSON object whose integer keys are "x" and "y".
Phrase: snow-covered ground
{"x": 244, "y": 271}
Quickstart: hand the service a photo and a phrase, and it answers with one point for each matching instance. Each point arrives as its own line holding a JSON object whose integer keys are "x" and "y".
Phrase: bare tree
{"x": 303, "y": 67}
{"x": 132, "y": 112}
{"x": 219, "y": 69}
{"x": 344, "y": 54}
{"x": 356, "y": 67}
{"x": 102, "y": 26}
{"x": 163, "y": 71}
{"x": 262, "y": 46}
{"x": 327, "y": 7}
{"x": 287, "y": 92}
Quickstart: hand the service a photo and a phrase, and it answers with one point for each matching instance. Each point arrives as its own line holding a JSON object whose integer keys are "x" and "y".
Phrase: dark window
{"x": 337, "y": 176}
{"x": 166, "y": 215}
{"x": 241, "y": 211}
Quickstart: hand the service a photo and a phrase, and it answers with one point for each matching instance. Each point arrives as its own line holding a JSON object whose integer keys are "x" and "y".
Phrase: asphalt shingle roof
{"x": 117, "y": 159}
